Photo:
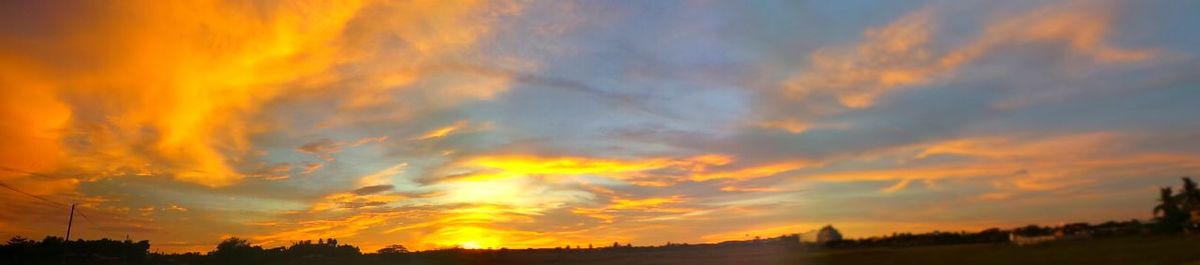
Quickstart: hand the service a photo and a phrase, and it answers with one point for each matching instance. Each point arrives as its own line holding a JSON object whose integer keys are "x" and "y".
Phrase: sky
{"x": 488, "y": 124}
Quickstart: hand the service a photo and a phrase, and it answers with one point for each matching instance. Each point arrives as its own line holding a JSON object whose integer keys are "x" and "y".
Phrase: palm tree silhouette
{"x": 1190, "y": 200}
{"x": 1173, "y": 216}
{"x": 1191, "y": 196}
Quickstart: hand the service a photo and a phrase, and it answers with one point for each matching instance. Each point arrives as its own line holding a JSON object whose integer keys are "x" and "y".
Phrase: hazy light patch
{"x": 442, "y": 132}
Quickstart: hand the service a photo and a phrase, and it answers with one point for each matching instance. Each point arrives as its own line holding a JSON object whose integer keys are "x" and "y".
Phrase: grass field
{"x": 1126, "y": 250}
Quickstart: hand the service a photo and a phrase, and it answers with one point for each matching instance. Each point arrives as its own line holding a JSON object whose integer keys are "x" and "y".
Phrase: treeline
{"x": 1176, "y": 212}
{"x": 997, "y": 235}
{"x": 54, "y": 250}
{"x": 233, "y": 251}
{"x": 239, "y": 251}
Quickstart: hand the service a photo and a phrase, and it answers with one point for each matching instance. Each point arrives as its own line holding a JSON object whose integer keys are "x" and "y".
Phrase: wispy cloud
{"x": 907, "y": 53}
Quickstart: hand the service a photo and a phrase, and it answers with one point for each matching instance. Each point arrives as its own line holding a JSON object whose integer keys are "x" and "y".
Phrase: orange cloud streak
{"x": 898, "y": 56}
{"x": 1023, "y": 165}
{"x": 176, "y": 87}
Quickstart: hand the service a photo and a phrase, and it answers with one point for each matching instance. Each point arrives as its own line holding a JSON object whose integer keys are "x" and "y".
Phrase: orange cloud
{"x": 348, "y": 227}
{"x": 611, "y": 212}
{"x": 534, "y": 165}
{"x": 383, "y": 177}
{"x": 751, "y": 172}
{"x": 1024, "y": 164}
{"x": 1013, "y": 148}
{"x": 789, "y": 125}
{"x": 748, "y": 189}
{"x": 903, "y": 183}
{"x": 443, "y": 132}
{"x": 637, "y": 171}
{"x": 889, "y": 57}
{"x": 309, "y": 168}
{"x": 898, "y": 55}
{"x": 34, "y": 119}
{"x": 278, "y": 171}
{"x": 176, "y": 88}
{"x": 196, "y": 72}
{"x": 627, "y": 204}
{"x": 367, "y": 140}
{"x": 1082, "y": 29}
{"x": 349, "y": 201}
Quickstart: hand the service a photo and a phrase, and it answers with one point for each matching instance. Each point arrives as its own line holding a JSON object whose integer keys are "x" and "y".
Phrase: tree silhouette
{"x": 1191, "y": 204}
{"x": 236, "y": 251}
{"x": 54, "y": 250}
{"x": 1172, "y": 217}
{"x": 1179, "y": 212}
{"x": 393, "y": 249}
{"x": 232, "y": 244}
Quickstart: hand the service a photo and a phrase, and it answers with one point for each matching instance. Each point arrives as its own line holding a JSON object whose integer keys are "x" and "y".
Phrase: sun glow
{"x": 467, "y": 236}
{"x": 470, "y": 245}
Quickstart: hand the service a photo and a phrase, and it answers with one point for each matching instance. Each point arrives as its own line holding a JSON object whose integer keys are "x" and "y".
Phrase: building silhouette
{"x": 821, "y": 236}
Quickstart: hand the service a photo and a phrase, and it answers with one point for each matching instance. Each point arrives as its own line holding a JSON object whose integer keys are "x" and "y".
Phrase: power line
{"x": 6, "y": 186}
{"x": 85, "y": 217}
{"x": 40, "y": 198}
{"x": 26, "y": 172}
{"x": 19, "y": 171}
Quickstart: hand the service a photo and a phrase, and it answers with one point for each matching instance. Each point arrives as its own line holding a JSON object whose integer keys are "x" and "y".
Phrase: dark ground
{"x": 1123, "y": 250}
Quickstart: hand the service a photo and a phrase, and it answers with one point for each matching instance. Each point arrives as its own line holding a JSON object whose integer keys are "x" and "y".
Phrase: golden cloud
{"x": 348, "y": 227}
{"x": 536, "y": 165}
{"x": 899, "y": 55}
{"x": 443, "y": 131}
{"x": 1020, "y": 164}
{"x": 647, "y": 203}
{"x": 751, "y": 172}
{"x": 1082, "y": 30}
{"x": 176, "y": 87}
{"x": 889, "y": 57}
{"x": 34, "y": 119}
{"x": 609, "y": 213}
{"x": 637, "y": 171}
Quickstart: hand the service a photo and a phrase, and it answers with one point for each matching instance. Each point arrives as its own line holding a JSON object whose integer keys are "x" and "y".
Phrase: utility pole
{"x": 69, "y": 221}
{"x": 67, "y": 240}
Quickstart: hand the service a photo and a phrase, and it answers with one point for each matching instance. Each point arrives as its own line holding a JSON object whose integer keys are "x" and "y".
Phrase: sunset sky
{"x": 438, "y": 124}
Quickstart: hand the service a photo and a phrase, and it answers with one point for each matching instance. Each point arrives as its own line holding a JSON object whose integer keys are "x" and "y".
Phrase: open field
{"x": 1126, "y": 250}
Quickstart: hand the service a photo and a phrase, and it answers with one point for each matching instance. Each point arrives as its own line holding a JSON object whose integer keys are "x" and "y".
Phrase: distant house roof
{"x": 825, "y": 234}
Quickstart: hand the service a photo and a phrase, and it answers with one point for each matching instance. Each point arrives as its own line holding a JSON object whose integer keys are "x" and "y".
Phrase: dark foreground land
{"x": 1129, "y": 249}
{"x": 1123, "y": 250}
